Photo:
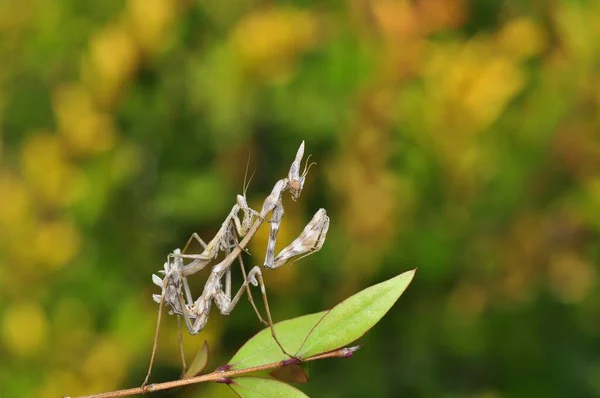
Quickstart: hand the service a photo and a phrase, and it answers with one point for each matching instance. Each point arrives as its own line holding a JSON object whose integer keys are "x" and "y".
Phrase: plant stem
{"x": 217, "y": 375}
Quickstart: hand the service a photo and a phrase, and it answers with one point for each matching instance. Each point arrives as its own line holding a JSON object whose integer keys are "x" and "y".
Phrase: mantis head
{"x": 295, "y": 179}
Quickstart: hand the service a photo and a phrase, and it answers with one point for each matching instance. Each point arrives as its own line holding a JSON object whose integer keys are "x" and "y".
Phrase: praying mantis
{"x": 175, "y": 289}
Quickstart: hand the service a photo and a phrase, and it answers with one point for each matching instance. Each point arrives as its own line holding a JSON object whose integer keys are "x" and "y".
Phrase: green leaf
{"x": 354, "y": 316}
{"x": 257, "y": 387}
{"x": 262, "y": 349}
{"x": 325, "y": 331}
{"x": 198, "y": 363}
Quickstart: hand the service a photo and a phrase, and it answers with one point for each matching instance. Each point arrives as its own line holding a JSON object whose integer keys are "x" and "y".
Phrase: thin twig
{"x": 218, "y": 375}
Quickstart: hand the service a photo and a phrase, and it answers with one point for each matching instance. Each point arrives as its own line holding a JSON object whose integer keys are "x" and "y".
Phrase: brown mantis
{"x": 175, "y": 290}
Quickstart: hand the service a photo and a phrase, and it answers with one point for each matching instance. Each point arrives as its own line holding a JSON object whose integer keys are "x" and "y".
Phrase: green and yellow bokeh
{"x": 460, "y": 137}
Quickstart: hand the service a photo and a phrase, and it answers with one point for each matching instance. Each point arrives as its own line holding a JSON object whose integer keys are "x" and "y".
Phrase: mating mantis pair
{"x": 175, "y": 289}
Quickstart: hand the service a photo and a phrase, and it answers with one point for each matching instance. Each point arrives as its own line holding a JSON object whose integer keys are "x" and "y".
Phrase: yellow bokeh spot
{"x": 16, "y": 202}
{"x": 16, "y": 244}
{"x": 24, "y": 329}
{"x": 472, "y": 82}
{"x": 592, "y": 186}
{"x": 268, "y": 43}
{"x": 469, "y": 300}
{"x": 47, "y": 170}
{"x": 114, "y": 56}
{"x": 169, "y": 340}
{"x": 495, "y": 84}
{"x": 59, "y": 382}
{"x": 360, "y": 219}
{"x": 150, "y": 20}
{"x": 85, "y": 128}
{"x": 57, "y": 243}
{"x": 575, "y": 27}
{"x": 516, "y": 285}
{"x": 570, "y": 278}
{"x": 105, "y": 364}
{"x": 360, "y": 178}
{"x": 522, "y": 38}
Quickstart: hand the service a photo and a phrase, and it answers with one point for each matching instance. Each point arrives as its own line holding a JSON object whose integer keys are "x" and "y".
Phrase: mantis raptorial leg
{"x": 310, "y": 240}
{"x": 276, "y": 217}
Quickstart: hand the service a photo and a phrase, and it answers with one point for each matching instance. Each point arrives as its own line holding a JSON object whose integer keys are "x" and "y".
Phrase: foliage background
{"x": 453, "y": 135}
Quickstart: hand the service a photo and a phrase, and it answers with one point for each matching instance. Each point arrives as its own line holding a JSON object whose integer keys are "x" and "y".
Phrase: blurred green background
{"x": 461, "y": 137}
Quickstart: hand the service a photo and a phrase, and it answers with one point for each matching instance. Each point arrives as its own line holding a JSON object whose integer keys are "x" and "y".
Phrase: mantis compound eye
{"x": 295, "y": 179}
